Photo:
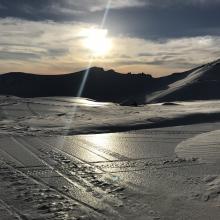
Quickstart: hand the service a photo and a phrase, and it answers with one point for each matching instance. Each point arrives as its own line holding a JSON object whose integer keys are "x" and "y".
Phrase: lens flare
{"x": 97, "y": 42}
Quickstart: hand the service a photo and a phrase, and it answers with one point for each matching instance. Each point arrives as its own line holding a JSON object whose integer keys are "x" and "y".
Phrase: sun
{"x": 97, "y": 42}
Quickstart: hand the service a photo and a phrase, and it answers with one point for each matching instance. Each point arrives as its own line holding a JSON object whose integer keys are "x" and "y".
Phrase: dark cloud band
{"x": 156, "y": 19}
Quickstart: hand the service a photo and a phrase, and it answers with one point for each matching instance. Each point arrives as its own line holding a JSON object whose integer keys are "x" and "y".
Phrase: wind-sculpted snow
{"x": 67, "y": 116}
{"x": 205, "y": 146}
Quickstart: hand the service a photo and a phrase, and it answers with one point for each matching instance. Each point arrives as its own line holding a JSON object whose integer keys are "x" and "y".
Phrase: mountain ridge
{"x": 100, "y": 85}
{"x": 202, "y": 82}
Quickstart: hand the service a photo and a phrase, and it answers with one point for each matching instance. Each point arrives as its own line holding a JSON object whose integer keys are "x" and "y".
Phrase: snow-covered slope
{"x": 60, "y": 115}
{"x": 201, "y": 84}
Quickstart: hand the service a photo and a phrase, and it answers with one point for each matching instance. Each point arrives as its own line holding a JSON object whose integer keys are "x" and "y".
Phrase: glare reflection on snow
{"x": 90, "y": 102}
{"x": 100, "y": 139}
{"x": 100, "y": 147}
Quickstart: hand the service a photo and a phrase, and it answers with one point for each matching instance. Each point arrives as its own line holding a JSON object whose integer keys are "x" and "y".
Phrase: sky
{"x": 157, "y": 37}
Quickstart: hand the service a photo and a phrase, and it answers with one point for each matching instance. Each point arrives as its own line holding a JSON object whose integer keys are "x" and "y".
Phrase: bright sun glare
{"x": 97, "y": 42}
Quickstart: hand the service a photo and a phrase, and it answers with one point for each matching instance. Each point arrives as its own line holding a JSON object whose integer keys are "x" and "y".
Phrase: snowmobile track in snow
{"x": 40, "y": 182}
{"x": 62, "y": 175}
{"x": 15, "y": 214}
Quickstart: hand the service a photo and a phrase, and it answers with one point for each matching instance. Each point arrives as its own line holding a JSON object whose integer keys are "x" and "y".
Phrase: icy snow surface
{"x": 54, "y": 166}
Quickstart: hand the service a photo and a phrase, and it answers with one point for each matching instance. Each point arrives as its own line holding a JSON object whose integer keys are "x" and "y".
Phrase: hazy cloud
{"x": 163, "y": 35}
{"x": 45, "y": 46}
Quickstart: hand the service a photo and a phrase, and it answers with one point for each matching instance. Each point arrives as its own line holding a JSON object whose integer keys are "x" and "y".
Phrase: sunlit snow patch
{"x": 73, "y": 101}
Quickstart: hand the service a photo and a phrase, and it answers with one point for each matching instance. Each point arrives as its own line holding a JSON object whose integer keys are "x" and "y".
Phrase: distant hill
{"x": 100, "y": 85}
{"x": 200, "y": 83}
